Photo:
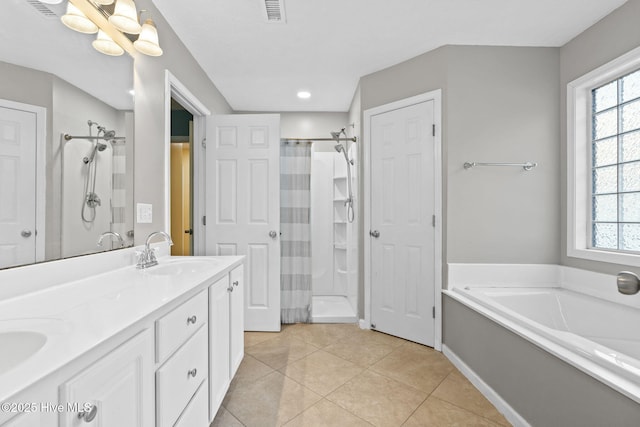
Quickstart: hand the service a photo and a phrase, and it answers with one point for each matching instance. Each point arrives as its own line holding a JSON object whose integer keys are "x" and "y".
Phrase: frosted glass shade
{"x": 105, "y": 44}
{"x": 147, "y": 42}
{"x": 78, "y": 21}
{"x": 125, "y": 17}
{"x": 103, "y": 2}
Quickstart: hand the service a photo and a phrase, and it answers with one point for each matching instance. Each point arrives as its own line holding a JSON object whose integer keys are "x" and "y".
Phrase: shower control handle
{"x": 25, "y": 233}
{"x": 374, "y": 233}
{"x": 273, "y": 234}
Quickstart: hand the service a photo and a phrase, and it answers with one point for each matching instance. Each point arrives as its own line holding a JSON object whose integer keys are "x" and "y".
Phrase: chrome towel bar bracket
{"x": 526, "y": 166}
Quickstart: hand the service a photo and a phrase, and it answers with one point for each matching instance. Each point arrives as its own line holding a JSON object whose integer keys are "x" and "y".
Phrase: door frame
{"x": 173, "y": 88}
{"x": 41, "y": 174}
{"x": 436, "y": 97}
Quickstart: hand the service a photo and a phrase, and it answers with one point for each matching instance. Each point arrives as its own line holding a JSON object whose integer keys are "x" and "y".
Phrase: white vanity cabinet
{"x": 237, "y": 319}
{"x": 218, "y": 343}
{"x": 118, "y": 388}
{"x": 226, "y": 334}
{"x": 182, "y": 351}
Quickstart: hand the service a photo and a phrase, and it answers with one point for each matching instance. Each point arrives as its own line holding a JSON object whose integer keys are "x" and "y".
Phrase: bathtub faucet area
{"x": 628, "y": 283}
{"x": 147, "y": 258}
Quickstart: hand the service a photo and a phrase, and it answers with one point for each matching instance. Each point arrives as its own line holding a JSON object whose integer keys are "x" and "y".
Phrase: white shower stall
{"x": 333, "y": 237}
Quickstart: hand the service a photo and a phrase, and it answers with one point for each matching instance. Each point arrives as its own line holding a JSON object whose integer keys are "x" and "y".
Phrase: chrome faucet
{"x": 111, "y": 233}
{"x": 147, "y": 258}
{"x": 628, "y": 283}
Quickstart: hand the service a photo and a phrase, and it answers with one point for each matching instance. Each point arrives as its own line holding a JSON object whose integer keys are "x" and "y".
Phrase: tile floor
{"x": 340, "y": 375}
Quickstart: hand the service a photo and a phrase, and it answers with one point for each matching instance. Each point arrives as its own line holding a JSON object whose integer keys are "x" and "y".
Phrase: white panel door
{"x": 243, "y": 207}
{"x": 17, "y": 187}
{"x": 402, "y": 208}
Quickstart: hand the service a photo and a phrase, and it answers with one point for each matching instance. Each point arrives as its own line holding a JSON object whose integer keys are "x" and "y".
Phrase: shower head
{"x": 339, "y": 147}
{"x": 100, "y": 146}
{"x": 336, "y": 136}
{"x": 109, "y": 133}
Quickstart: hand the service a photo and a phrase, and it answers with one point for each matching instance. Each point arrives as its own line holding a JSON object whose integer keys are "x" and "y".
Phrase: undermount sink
{"x": 173, "y": 266}
{"x": 18, "y": 346}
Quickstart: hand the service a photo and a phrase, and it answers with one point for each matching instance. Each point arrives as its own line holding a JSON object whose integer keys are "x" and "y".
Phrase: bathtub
{"x": 576, "y": 316}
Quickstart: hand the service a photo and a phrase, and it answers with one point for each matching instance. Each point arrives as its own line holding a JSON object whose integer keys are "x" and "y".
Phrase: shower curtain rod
{"x": 354, "y": 139}
{"x": 68, "y": 137}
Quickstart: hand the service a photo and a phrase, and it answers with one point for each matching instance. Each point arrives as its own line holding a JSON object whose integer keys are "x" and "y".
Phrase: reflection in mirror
{"x": 58, "y": 196}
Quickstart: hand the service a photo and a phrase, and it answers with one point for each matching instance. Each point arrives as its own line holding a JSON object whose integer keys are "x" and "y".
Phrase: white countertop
{"x": 79, "y": 315}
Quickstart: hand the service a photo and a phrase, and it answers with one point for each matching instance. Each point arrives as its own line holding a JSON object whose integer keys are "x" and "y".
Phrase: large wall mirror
{"x": 58, "y": 196}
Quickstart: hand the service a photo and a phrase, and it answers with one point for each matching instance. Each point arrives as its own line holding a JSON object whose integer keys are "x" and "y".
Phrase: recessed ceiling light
{"x": 303, "y": 94}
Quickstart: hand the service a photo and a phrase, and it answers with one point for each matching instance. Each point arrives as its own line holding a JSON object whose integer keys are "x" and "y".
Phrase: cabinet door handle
{"x": 89, "y": 415}
{"x": 235, "y": 283}
{"x": 193, "y": 372}
{"x": 230, "y": 289}
{"x": 192, "y": 319}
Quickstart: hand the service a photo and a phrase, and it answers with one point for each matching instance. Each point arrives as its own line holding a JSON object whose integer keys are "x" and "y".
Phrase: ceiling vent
{"x": 48, "y": 11}
{"x": 275, "y": 11}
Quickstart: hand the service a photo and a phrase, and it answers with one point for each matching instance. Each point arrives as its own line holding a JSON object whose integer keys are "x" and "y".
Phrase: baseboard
{"x": 363, "y": 324}
{"x": 501, "y": 405}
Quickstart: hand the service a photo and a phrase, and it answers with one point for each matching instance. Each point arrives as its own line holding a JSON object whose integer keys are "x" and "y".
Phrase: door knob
{"x": 374, "y": 233}
{"x": 26, "y": 233}
{"x": 89, "y": 415}
{"x": 273, "y": 234}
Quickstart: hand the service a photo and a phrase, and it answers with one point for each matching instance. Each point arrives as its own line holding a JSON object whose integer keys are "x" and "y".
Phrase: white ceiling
{"x": 327, "y": 45}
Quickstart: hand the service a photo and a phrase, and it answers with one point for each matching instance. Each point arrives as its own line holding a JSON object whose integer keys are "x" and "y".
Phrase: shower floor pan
{"x": 332, "y": 309}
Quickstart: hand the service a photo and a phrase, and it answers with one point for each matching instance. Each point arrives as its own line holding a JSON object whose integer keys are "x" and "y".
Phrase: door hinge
{"x": 204, "y": 220}
{"x": 433, "y": 130}
{"x": 433, "y": 312}
{"x": 204, "y": 143}
{"x": 433, "y": 220}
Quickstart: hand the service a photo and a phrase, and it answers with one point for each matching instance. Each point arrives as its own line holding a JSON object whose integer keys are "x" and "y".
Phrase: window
{"x": 603, "y": 163}
{"x": 615, "y": 159}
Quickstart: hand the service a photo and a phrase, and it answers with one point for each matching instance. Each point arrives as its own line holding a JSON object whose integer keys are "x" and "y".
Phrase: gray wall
{"x": 149, "y": 84}
{"x": 500, "y": 104}
{"x": 544, "y": 390}
{"x": 311, "y": 124}
{"x": 616, "y": 34}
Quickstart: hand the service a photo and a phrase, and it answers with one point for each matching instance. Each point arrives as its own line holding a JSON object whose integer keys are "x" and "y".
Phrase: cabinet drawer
{"x": 179, "y": 378}
{"x": 176, "y": 327}
{"x": 196, "y": 412}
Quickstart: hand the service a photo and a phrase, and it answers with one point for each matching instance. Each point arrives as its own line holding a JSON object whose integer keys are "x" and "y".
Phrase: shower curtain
{"x": 295, "y": 278}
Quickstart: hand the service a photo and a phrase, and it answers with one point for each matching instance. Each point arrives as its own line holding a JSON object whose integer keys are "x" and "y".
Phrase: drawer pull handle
{"x": 230, "y": 289}
{"x": 89, "y": 415}
{"x": 193, "y": 372}
{"x": 192, "y": 319}
{"x": 235, "y": 283}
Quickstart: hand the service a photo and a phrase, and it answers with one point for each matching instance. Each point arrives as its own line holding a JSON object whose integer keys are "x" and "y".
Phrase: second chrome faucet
{"x": 147, "y": 257}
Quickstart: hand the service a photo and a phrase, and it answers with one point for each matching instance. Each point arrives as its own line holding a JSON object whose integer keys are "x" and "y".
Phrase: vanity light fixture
{"x": 87, "y": 16}
{"x": 105, "y": 44}
{"x": 147, "y": 42}
{"x": 78, "y": 21}
{"x": 125, "y": 17}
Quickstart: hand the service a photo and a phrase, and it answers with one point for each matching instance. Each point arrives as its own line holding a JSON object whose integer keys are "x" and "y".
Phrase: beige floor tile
{"x": 251, "y": 369}
{"x": 437, "y": 413}
{"x": 378, "y": 399}
{"x": 416, "y": 365}
{"x": 269, "y": 401}
{"x": 320, "y": 335}
{"x": 253, "y": 338}
{"x": 361, "y": 349}
{"x": 458, "y": 390}
{"x": 326, "y": 414}
{"x": 224, "y": 418}
{"x": 280, "y": 351}
{"x": 321, "y": 372}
